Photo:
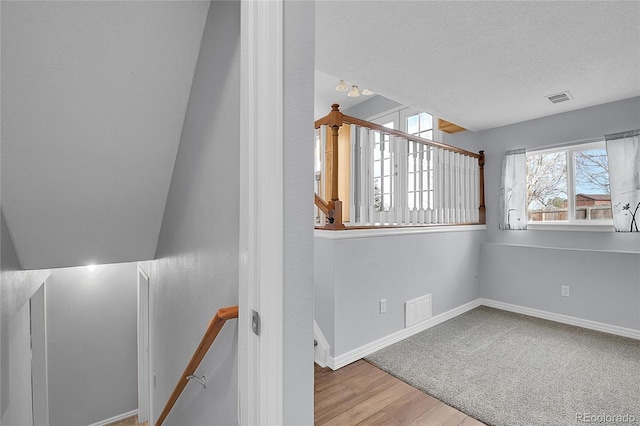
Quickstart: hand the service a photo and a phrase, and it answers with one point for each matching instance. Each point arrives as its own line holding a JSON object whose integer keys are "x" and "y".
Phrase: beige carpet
{"x": 508, "y": 369}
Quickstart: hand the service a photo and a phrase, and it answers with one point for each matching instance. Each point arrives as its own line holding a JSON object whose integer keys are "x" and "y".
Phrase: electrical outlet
{"x": 475, "y": 275}
{"x": 564, "y": 290}
{"x": 383, "y": 306}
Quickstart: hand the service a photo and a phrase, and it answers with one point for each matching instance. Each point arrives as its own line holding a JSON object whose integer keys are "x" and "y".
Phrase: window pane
{"x": 547, "y": 187}
{"x": 387, "y": 165}
{"x": 413, "y": 124}
{"x": 386, "y": 201}
{"x": 386, "y": 183}
{"x": 593, "y": 199}
{"x": 411, "y": 163}
{"x": 377, "y": 195}
{"x": 426, "y": 121}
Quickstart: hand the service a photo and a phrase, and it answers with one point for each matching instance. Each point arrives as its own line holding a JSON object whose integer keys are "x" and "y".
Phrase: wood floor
{"x": 362, "y": 394}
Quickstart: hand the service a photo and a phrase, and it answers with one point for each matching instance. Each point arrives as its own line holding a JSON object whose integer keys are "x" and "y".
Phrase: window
{"x": 415, "y": 184}
{"x": 569, "y": 185}
{"x": 420, "y": 162}
{"x": 384, "y": 174}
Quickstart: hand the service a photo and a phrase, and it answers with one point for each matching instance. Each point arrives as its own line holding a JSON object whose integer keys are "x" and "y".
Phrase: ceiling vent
{"x": 559, "y": 97}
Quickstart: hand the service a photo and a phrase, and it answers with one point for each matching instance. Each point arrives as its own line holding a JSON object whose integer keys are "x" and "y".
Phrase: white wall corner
{"x": 321, "y": 350}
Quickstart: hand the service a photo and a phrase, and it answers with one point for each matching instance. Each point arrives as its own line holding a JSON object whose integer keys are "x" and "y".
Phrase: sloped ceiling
{"x": 93, "y": 100}
{"x": 483, "y": 64}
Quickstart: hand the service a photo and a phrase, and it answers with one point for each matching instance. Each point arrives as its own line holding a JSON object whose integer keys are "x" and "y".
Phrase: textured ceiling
{"x": 93, "y": 100}
{"x": 484, "y": 64}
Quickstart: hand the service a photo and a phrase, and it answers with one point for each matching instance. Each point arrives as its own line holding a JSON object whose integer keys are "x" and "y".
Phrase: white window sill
{"x": 565, "y": 226}
{"x": 385, "y": 232}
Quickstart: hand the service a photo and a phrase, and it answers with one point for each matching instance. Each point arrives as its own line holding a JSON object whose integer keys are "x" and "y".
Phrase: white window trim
{"x": 404, "y": 112}
{"x": 564, "y": 226}
{"x": 572, "y": 224}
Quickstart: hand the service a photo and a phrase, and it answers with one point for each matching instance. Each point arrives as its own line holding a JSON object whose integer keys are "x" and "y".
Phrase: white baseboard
{"x": 116, "y": 418}
{"x": 321, "y": 351}
{"x": 347, "y": 358}
{"x": 358, "y": 353}
{"x": 565, "y": 319}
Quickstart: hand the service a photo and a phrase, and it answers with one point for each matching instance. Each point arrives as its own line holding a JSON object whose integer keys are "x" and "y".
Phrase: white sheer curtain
{"x": 623, "y": 153}
{"x": 513, "y": 193}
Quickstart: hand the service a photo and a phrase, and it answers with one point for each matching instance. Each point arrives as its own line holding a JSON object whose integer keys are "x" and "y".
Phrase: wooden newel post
{"x": 335, "y": 122}
{"x": 335, "y": 131}
{"x": 482, "y": 209}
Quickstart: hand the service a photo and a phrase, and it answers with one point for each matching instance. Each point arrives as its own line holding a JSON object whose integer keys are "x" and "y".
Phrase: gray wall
{"x": 396, "y": 268}
{"x": 374, "y": 106}
{"x": 196, "y": 268}
{"x": 91, "y": 343}
{"x": 604, "y": 286}
{"x": 324, "y": 289}
{"x": 299, "y": 54}
{"x": 352, "y": 275}
{"x": 16, "y": 287}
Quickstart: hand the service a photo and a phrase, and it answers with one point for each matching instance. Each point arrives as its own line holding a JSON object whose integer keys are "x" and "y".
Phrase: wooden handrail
{"x": 323, "y": 206}
{"x": 333, "y": 119}
{"x": 215, "y": 325}
{"x": 333, "y": 211}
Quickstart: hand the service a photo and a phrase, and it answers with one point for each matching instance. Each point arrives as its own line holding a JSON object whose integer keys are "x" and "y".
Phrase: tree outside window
{"x": 569, "y": 185}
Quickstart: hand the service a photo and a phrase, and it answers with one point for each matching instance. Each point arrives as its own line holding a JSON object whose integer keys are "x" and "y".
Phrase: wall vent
{"x": 559, "y": 97}
{"x": 417, "y": 310}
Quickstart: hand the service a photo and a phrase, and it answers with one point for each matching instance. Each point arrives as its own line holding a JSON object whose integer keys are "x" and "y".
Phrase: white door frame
{"x": 20, "y": 408}
{"x": 39, "y": 368}
{"x": 261, "y": 213}
{"x": 144, "y": 389}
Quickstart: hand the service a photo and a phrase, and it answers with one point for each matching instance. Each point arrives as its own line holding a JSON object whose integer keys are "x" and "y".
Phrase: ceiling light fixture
{"x": 353, "y": 93}
{"x": 342, "y": 86}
